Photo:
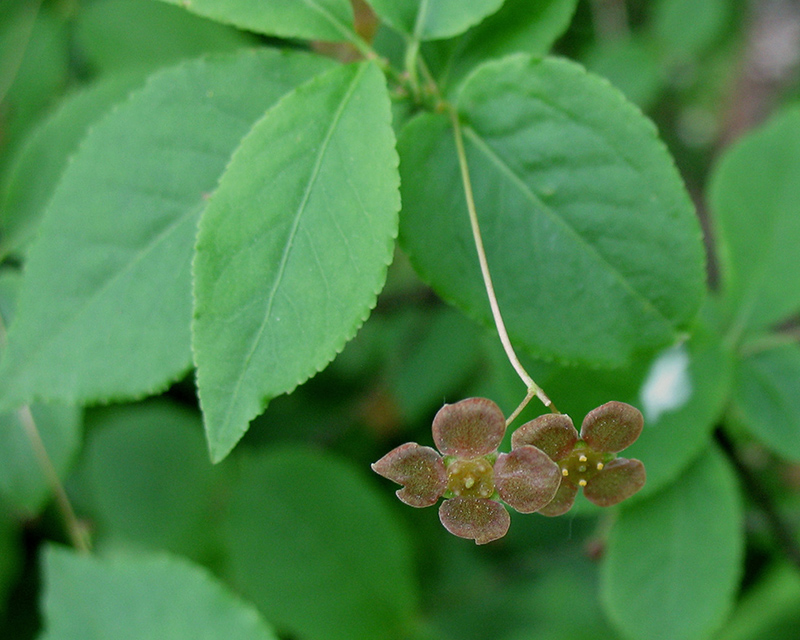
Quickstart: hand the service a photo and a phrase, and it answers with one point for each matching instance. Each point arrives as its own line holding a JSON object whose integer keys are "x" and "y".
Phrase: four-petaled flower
{"x": 588, "y": 460}
{"x": 471, "y": 475}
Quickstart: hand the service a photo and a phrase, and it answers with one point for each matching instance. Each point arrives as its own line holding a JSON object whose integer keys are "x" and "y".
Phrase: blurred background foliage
{"x": 293, "y": 520}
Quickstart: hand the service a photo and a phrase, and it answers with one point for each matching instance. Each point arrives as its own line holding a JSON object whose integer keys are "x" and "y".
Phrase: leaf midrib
{"x": 517, "y": 180}
{"x": 288, "y": 245}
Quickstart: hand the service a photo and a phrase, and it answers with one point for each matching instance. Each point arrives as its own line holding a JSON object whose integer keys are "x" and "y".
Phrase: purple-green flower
{"x": 588, "y": 459}
{"x": 470, "y": 474}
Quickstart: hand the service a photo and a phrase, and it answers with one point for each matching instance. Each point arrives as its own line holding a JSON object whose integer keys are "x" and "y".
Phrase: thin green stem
{"x": 412, "y": 52}
{"x": 75, "y": 531}
{"x": 533, "y": 388}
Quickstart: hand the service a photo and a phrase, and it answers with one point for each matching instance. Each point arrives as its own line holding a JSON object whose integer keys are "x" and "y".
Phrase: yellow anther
{"x": 565, "y": 472}
{"x": 582, "y": 459}
{"x": 469, "y": 481}
{"x": 600, "y": 466}
{"x": 582, "y": 482}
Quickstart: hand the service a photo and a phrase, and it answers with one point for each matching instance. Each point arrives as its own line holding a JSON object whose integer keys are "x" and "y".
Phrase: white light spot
{"x": 668, "y": 385}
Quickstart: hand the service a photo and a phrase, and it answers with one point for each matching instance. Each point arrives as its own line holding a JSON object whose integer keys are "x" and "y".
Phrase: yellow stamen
{"x": 565, "y": 472}
{"x": 600, "y": 466}
{"x": 582, "y": 482}
{"x": 582, "y": 459}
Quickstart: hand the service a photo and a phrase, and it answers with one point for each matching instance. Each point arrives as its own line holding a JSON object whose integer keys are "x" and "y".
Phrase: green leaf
{"x": 770, "y": 609}
{"x": 591, "y": 238}
{"x": 132, "y": 454}
{"x": 141, "y": 596}
{"x": 310, "y": 19}
{"x": 105, "y": 306}
{"x": 631, "y": 65}
{"x": 682, "y": 397}
{"x": 434, "y": 19}
{"x": 317, "y": 549}
{"x": 673, "y": 562}
{"x": 293, "y": 247}
{"x": 23, "y": 483}
{"x": 766, "y": 398}
{"x": 116, "y": 35}
{"x": 437, "y": 354}
{"x": 40, "y": 162}
{"x": 520, "y": 26}
{"x": 755, "y": 200}
{"x": 683, "y": 39}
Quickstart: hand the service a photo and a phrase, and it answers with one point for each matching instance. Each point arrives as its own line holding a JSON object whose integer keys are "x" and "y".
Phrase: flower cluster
{"x": 549, "y": 460}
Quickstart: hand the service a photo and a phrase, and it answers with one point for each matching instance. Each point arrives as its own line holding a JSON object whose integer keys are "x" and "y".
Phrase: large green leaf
{"x": 37, "y": 168}
{"x": 317, "y": 549}
{"x": 766, "y": 398}
{"x": 434, "y": 19}
{"x": 520, "y": 26}
{"x": 755, "y": 200}
{"x": 293, "y": 247}
{"x": 24, "y": 484}
{"x": 105, "y": 307}
{"x": 115, "y": 35}
{"x": 591, "y": 238}
{"x": 310, "y": 19}
{"x": 132, "y": 453}
{"x": 132, "y": 597}
{"x": 673, "y": 561}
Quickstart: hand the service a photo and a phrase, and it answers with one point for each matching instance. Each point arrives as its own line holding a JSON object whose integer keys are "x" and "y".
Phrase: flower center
{"x": 582, "y": 464}
{"x": 471, "y": 478}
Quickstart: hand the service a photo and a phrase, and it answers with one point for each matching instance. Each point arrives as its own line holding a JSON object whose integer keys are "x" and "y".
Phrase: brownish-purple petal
{"x": 553, "y": 433}
{"x": 620, "y": 479}
{"x": 612, "y": 427}
{"x": 419, "y": 469}
{"x": 475, "y": 518}
{"x": 526, "y": 478}
{"x": 565, "y": 497}
{"x": 468, "y": 429}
